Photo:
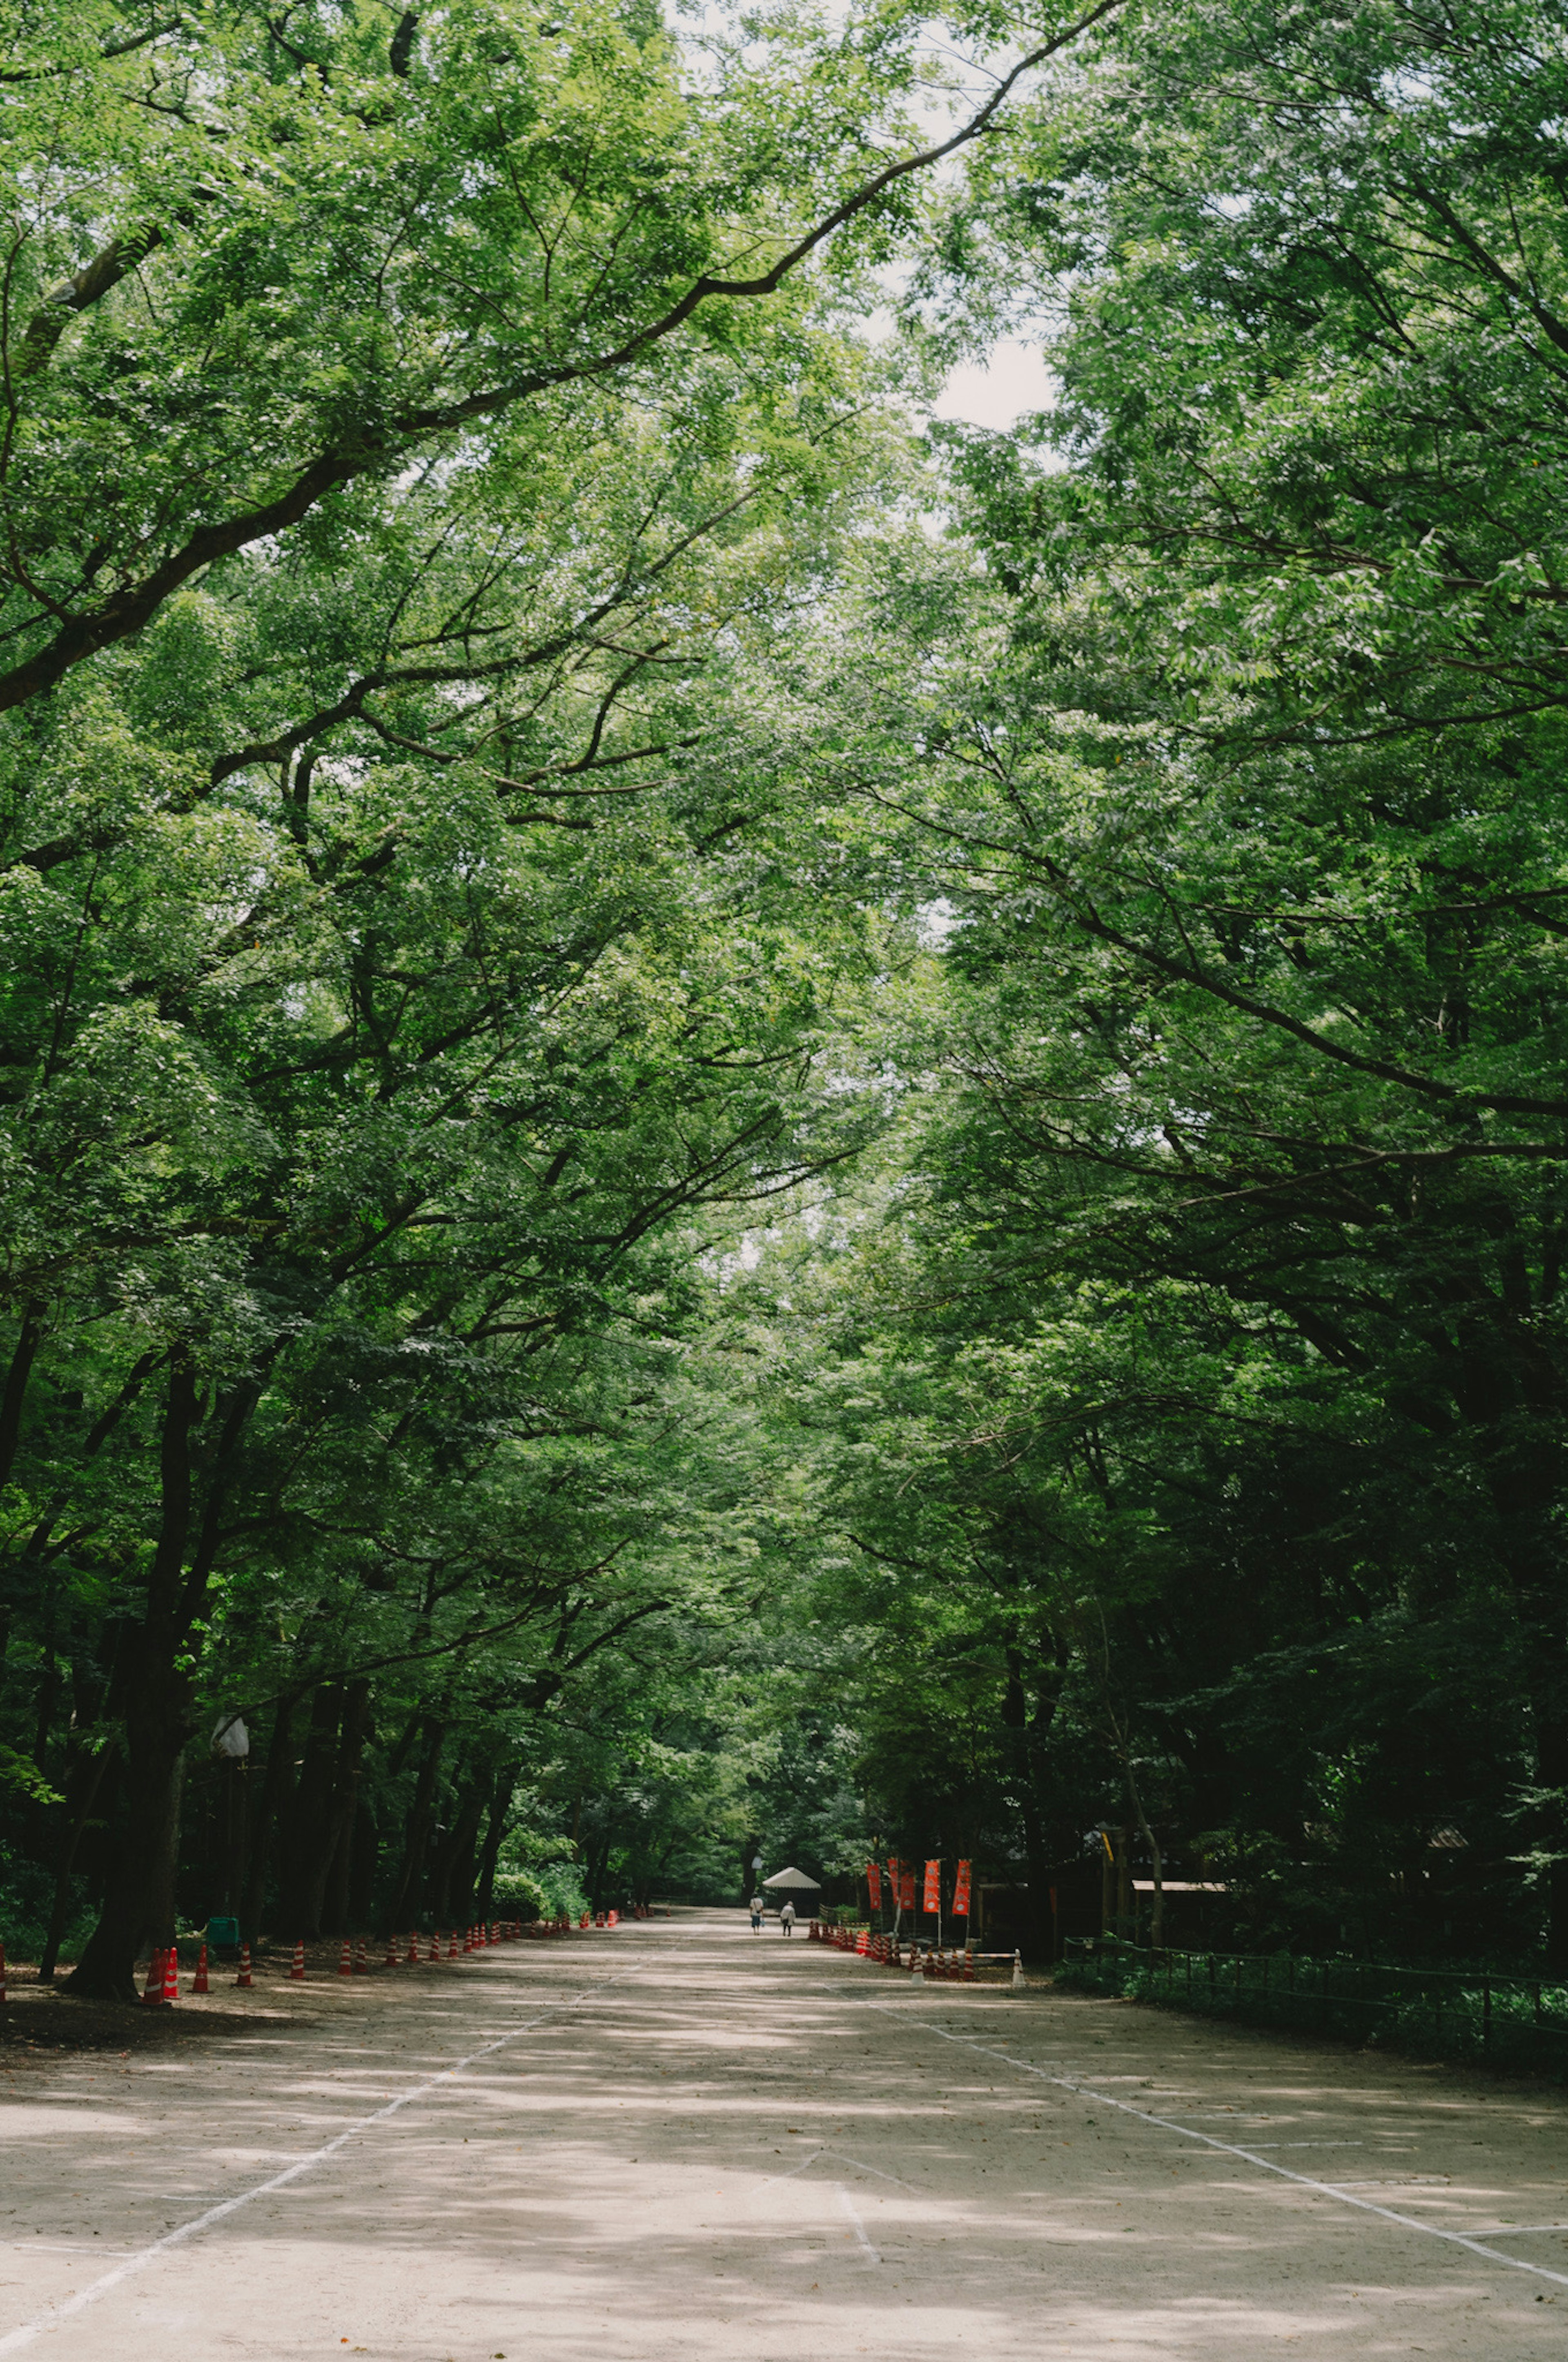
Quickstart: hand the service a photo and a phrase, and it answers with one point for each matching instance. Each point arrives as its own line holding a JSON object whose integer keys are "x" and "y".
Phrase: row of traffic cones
{"x": 163, "y": 1969}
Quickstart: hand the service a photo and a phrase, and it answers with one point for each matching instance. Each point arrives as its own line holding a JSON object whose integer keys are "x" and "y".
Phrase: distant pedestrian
{"x": 756, "y": 1911}
{"x": 786, "y": 1918}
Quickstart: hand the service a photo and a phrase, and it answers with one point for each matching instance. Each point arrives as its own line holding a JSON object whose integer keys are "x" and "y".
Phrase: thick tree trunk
{"x": 276, "y": 1782}
{"x": 362, "y": 1872}
{"x": 500, "y": 1807}
{"x": 306, "y": 1840}
{"x": 421, "y": 1813}
{"x": 138, "y": 1908}
{"x": 452, "y": 1886}
{"x": 86, "y": 1781}
{"x": 14, "y": 1393}
{"x": 333, "y": 1908}
{"x": 155, "y": 1701}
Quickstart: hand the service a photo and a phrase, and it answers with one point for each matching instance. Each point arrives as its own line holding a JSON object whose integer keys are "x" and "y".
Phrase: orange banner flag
{"x": 960, "y": 1892}
{"x": 933, "y": 1886}
{"x": 873, "y": 1880}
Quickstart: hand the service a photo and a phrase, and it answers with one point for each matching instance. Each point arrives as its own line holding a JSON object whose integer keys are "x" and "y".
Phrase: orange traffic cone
{"x": 345, "y": 1964}
{"x": 199, "y": 1982}
{"x": 171, "y": 1975}
{"x": 413, "y": 1950}
{"x": 361, "y": 1963}
{"x": 243, "y": 1977}
{"x": 434, "y": 1952}
{"x": 153, "y": 1994}
{"x": 392, "y": 1960}
{"x": 296, "y": 1973}
{"x": 452, "y": 1945}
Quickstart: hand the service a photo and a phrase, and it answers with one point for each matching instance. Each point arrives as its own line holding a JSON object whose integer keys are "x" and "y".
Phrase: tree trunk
{"x": 362, "y": 1871}
{"x": 333, "y": 1906}
{"x": 87, "y": 1781}
{"x": 452, "y": 1887}
{"x": 138, "y": 1907}
{"x": 306, "y": 1842}
{"x": 500, "y": 1807}
{"x": 421, "y": 1813}
{"x": 155, "y": 1696}
{"x": 1037, "y": 1901}
{"x": 276, "y": 1782}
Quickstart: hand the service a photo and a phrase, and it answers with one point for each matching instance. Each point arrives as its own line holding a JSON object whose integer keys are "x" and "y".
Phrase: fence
{"x": 1443, "y": 2012}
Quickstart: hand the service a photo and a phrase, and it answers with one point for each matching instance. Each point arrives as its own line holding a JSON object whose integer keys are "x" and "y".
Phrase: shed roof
{"x": 796, "y": 1878}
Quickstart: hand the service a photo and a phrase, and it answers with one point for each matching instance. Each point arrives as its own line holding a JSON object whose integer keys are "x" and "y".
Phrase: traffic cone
{"x": 199, "y": 1982}
{"x": 1018, "y": 1970}
{"x": 346, "y": 1965}
{"x": 412, "y": 1960}
{"x": 153, "y": 1991}
{"x": 392, "y": 1952}
{"x": 361, "y": 1961}
{"x": 171, "y": 1975}
{"x": 296, "y": 1973}
{"x": 243, "y": 1977}
{"x": 587, "y": 1920}
{"x": 612, "y": 1919}
{"x": 434, "y": 1952}
{"x": 452, "y": 1945}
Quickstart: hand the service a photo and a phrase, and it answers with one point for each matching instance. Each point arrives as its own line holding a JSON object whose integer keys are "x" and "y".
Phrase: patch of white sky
{"x": 1012, "y": 381}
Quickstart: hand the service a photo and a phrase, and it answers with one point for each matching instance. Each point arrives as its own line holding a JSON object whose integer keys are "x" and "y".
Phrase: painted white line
{"x": 787, "y": 2175}
{"x": 31, "y": 2330}
{"x": 1228, "y": 2149}
{"x": 848, "y": 2203}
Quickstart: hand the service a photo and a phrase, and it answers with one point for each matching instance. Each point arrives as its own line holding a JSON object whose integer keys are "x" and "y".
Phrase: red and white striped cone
{"x": 345, "y": 1962}
{"x": 391, "y": 1961}
{"x": 153, "y": 1991}
{"x": 434, "y": 1952}
{"x": 199, "y": 1982}
{"x": 411, "y": 1958}
{"x": 243, "y": 1977}
{"x": 361, "y": 1958}
{"x": 171, "y": 1975}
{"x": 296, "y": 1973}
{"x": 452, "y": 1945}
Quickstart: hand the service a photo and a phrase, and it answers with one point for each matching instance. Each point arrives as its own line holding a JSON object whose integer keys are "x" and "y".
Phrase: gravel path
{"x": 678, "y": 2139}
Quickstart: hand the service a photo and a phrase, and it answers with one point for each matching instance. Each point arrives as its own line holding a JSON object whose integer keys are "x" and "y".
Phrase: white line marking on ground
{"x": 848, "y": 2203}
{"x": 1228, "y": 2149}
{"x": 789, "y": 2173}
{"x": 29, "y": 2330}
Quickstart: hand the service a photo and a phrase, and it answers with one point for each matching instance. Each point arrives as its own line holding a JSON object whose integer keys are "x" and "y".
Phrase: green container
{"x": 223, "y": 1935}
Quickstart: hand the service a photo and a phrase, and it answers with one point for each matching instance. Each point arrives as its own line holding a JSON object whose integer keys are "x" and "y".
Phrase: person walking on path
{"x": 755, "y": 1906}
{"x": 786, "y": 1918}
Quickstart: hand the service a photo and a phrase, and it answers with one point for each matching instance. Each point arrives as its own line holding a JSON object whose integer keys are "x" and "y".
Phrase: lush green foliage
{"x": 688, "y": 1166}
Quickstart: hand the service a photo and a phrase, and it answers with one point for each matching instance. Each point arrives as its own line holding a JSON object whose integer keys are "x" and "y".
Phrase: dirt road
{"x": 679, "y": 2139}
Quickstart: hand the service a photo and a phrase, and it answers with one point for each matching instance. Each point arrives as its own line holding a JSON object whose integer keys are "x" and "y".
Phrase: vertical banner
{"x": 933, "y": 1886}
{"x": 873, "y": 1880}
{"x": 960, "y": 1892}
{"x": 906, "y": 1890}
